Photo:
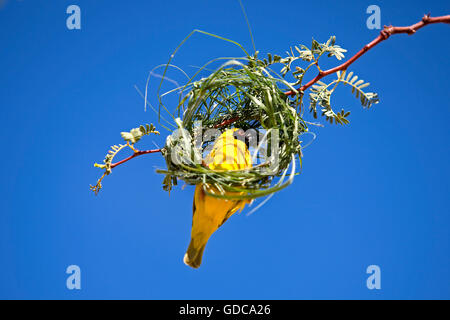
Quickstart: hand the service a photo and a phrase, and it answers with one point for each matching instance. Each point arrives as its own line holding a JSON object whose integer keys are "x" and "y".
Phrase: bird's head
{"x": 234, "y": 133}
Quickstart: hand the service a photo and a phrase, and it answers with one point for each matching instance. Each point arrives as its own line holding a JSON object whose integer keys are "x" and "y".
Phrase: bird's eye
{"x": 239, "y": 134}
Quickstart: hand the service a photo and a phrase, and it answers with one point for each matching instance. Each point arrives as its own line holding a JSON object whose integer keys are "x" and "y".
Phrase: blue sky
{"x": 373, "y": 192}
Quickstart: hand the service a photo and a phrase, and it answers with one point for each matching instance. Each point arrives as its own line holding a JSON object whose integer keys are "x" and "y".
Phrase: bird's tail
{"x": 194, "y": 254}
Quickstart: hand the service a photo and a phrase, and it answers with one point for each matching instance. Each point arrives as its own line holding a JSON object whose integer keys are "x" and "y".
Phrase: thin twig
{"x": 384, "y": 35}
{"x": 226, "y": 122}
{"x": 135, "y": 154}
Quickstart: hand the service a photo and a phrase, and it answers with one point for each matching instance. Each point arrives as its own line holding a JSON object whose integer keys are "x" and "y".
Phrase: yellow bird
{"x": 209, "y": 213}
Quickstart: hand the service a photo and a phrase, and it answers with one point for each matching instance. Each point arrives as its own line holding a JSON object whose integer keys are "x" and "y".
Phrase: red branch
{"x": 137, "y": 153}
{"x": 226, "y": 122}
{"x": 384, "y": 35}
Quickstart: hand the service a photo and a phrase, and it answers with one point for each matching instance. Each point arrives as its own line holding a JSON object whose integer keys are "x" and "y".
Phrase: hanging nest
{"x": 245, "y": 95}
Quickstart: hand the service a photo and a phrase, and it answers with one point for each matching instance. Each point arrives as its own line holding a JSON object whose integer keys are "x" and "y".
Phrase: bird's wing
{"x": 239, "y": 204}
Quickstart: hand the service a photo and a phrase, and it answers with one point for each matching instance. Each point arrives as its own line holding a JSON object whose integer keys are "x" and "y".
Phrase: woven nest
{"x": 243, "y": 95}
